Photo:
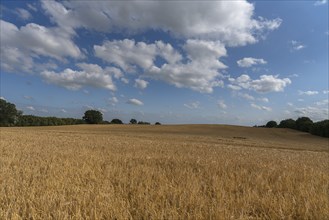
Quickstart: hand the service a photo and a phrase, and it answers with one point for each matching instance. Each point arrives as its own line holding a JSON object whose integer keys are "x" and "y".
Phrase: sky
{"x": 176, "y": 62}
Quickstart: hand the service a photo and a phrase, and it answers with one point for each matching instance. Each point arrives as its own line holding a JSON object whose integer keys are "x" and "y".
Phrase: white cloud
{"x": 297, "y": 45}
{"x": 102, "y": 110}
{"x": 31, "y": 38}
{"x": 3, "y": 98}
{"x": 221, "y": 104}
{"x": 193, "y": 105}
{"x": 114, "y": 99}
{"x": 31, "y": 108}
{"x": 141, "y": 84}
{"x": 293, "y": 75}
{"x": 63, "y": 110}
{"x": 126, "y": 54}
{"x": 200, "y": 72}
{"x": 315, "y": 113}
{"x": 125, "y": 80}
{"x": 90, "y": 75}
{"x": 32, "y": 7}
{"x": 23, "y": 13}
{"x": 290, "y": 104}
{"x": 308, "y": 92}
{"x": 266, "y": 83}
{"x": 233, "y": 87}
{"x": 325, "y": 91}
{"x": 260, "y": 107}
{"x": 135, "y": 102}
{"x": 249, "y": 61}
{"x": 23, "y": 46}
{"x": 321, "y": 2}
{"x": 263, "y": 99}
{"x": 323, "y": 102}
{"x": 246, "y": 96}
{"x": 231, "y": 22}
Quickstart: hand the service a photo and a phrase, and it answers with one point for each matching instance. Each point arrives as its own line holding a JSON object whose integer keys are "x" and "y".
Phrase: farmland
{"x": 162, "y": 172}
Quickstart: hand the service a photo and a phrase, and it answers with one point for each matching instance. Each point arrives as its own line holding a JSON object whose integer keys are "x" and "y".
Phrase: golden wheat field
{"x": 162, "y": 172}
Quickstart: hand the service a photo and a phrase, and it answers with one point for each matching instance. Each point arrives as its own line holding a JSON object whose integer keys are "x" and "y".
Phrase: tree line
{"x": 10, "y": 116}
{"x": 304, "y": 124}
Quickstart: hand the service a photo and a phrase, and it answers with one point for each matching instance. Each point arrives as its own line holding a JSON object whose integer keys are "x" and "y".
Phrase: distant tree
{"x": 271, "y": 124}
{"x": 304, "y": 124}
{"x": 320, "y": 128}
{"x": 133, "y": 121}
{"x": 288, "y": 123}
{"x": 93, "y": 117}
{"x": 8, "y": 113}
{"x": 143, "y": 123}
{"x": 157, "y": 123}
{"x": 116, "y": 121}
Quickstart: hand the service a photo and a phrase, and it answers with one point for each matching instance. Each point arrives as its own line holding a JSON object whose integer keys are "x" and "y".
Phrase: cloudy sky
{"x": 230, "y": 62}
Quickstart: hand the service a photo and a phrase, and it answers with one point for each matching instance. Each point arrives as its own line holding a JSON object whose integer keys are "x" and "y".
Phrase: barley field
{"x": 162, "y": 172}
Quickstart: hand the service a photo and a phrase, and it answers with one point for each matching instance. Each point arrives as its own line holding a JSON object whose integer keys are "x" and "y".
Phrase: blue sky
{"x": 228, "y": 62}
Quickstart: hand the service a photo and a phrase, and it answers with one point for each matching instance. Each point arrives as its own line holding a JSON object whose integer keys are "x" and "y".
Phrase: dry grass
{"x": 162, "y": 172}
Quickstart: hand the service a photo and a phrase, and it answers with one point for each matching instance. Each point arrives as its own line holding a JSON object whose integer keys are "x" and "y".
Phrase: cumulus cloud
{"x": 32, "y": 7}
{"x": 23, "y": 13}
{"x": 90, "y": 75}
{"x": 260, "y": 107}
{"x": 321, "y": 2}
{"x": 246, "y": 96}
{"x": 221, "y": 104}
{"x": 266, "y": 83}
{"x": 233, "y": 87}
{"x": 135, "y": 102}
{"x": 125, "y": 80}
{"x": 141, "y": 84}
{"x": 31, "y": 38}
{"x": 23, "y": 46}
{"x": 308, "y": 92}
{"x": 297, "y": 45}
{"x": 114, "y": 99}
{"x": 231, "y": 22}
{"x": 249, "y": 61}
{"x": 126, "y": 54}
{"x": 325, "y": 91}
{"x": 193, "y": 105}
{"x": 200, "y": 72}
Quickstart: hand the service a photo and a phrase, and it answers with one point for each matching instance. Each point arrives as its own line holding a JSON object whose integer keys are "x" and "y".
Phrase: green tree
{"x": 288, "y": 123}
{"x": 304, "y": 124}
{"x": 93, "y": 117}
{"x": 157, "y": 123}
{"x": 8, "y": 113}
{"x": 116, "y": 121}
{"x": 320, "y": 128}
{"x": 133, "y": 121}
{"x": 271, "y": 124}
